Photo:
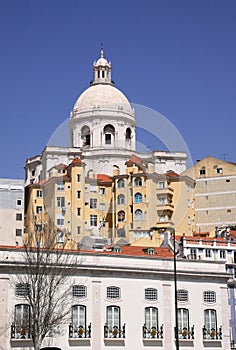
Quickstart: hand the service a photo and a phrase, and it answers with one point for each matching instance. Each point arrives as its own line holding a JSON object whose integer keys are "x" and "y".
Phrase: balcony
{"x": 167, "y": 191}
{"x": 153, "y": 332}
{"x": 185, "y": 333}
{"x": 212, "y": 334}
{"x": 21, "y": 336}
{"x": 114, "y": 332}
{"x": 79, "y": 336}
{"x": 79, "y": 332}
{"x": 20, "y": 332}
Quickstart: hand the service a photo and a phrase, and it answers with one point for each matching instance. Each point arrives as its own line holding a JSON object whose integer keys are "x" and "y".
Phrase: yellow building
{"x": 215, "y": 194}
{"x": 136, "y": 205}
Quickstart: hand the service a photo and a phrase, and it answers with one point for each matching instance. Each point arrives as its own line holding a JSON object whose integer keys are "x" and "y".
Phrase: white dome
{"x": 102, "y": 96}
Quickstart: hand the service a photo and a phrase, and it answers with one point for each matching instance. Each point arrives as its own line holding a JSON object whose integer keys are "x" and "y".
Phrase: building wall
{"x": 97, "y": 272}
{"x": 11, "y": 211}
{"x": 215, "y": 193}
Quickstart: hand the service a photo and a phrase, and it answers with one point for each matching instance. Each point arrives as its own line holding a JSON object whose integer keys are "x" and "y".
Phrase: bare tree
{"x": 44, "y": 282}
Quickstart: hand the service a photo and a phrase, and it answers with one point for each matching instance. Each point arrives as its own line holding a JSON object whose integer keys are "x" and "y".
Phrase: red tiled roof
{"x": 142, "y": 251}
{"x": 172, "y": 173}
{"x": 233, "y": 233}
{"x": 76, "y": 161}
{"x": 135, "y": 160}
{"x": 104, "y": 178}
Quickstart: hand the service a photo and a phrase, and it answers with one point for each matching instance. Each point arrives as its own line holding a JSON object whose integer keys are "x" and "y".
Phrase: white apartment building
{"x": 125, "y": 299}
{"x": 11, "y": 211}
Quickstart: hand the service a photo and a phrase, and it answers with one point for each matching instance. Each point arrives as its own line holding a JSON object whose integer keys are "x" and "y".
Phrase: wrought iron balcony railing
{"x": 79, "y": 332}
{"x": 114, "y": 332}
{"x": 213, "y": 333}
{"x": 152, "y": 332}
{"x": 20, "y": 332}
{"x": 185, "y": 333}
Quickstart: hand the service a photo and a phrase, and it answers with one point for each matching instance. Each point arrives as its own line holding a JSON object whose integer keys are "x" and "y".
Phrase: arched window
{"x": 85, "y": 135}
{"x": 109, "y": 132}
{"x": 210, "y": 322}
{"x": 113, "y": 317}
{"x": 78, "y": 321}
{"x": 22, "y": 321}
{"x": 138, "y": 198}
{"x": 120, "y": 183}
{"x": 138, "y": 182}
{"x": 138, "y": 215}
{"x": 121, "y": 215}
{"x": 121, "y": 199}
{"x": 128, "y": 136}
{"x": 183, "y": 321}
{"x": 151, "y": 317}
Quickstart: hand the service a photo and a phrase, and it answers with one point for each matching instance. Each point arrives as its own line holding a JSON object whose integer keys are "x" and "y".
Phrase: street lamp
{"x": 176, "y": 304}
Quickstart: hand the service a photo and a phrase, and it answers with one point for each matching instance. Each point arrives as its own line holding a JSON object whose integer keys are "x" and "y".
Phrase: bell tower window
{"x": 109, "y": 132}
{"x": 85, "y": 136}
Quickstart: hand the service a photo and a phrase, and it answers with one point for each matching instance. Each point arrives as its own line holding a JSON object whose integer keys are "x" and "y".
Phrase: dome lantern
{"x": 102, "y": 71}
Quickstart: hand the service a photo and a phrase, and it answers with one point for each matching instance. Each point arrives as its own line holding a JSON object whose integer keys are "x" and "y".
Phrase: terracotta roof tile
{"x": 104, "y": 178}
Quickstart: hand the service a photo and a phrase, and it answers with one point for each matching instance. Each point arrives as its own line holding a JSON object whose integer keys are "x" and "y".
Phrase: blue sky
{"x": 177, "y": 57}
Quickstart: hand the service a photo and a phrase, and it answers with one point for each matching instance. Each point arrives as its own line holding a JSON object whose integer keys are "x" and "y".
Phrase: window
{"x": 78, "y": 230}
{"x": 108, "y": 139}
{"x": 209, "y": 296}
{"x": 113, "y": 293}
{"x": 150, "y": 294}
{"x": 113, "y": 317}
{"x": 18, "y": 217}
{"x": 202, "y": 172}
{"x": 183, "y": 320}
{"x": 85, "y": 135}
{"x": 227, "y": 180}
{"x": 161, "y": 184}
{"x": 19, "y": 202}
{"x": 22, "y": 289}
{"x": 210, "y": 320}
{"x": 60, "y": 221}
{"x": 79, "y": 291}
{"x": 93, "y": 220}
{"x": 120, "y": 183}
{"x": 60, "y": 202}
{"x": 138, "y": 215}
{"x": 138, "y": 182}
{"x": 78, "y": 194}
{"x": 78, "y": 321}
{"x": 60, "y": 237}
{"x": 102, "y": 206}
{"x": 162, "y": 218}
{"x": 39, "y": 209}
{"x": 138, "y": 198}
{"x": 208, "y": 253}
{"x": 151, "y": 317}
{"x": 162, "y": 201}
{"x": 182, "y": 295}
{"x": 32, "y": 172}
{"x": 102, "y": 190}
{"x": 78, "y": 177}
{"x": 39, "y": 193}
{"x": 93, "y": 203}
{"x": 18, "y": 232}
{"x": 93, "y": 188}
{"x": 219, "y": 171}
{"x": 22, "y": 321}
{"x": 60, "y": 186}
{"x": 121, "y": 216}
{"x": 222, "y": 254}
{"x": 121, "y": 199}
{"x": 78, "y": 211}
